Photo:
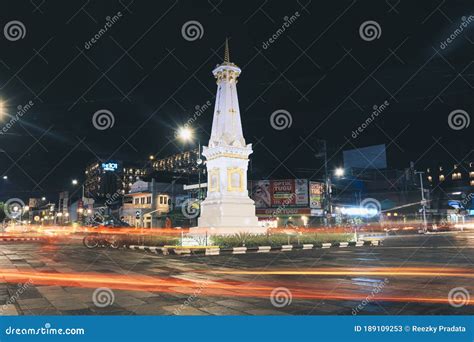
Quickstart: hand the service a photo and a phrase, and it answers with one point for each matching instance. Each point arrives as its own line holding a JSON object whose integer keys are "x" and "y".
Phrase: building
{"x": 184, "y": 163}
{"x": 452, "y": 189}
{"x": 148, "y": 204}
{"x": 103, "y": 179}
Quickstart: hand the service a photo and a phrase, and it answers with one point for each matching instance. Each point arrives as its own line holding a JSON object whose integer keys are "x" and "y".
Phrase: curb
{"x": 21, "y": 239}
{"x": 151, "y": 249}
{"x": 247, "y": 250}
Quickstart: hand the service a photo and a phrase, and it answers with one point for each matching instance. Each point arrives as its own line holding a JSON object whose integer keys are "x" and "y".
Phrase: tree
{"x": 2, "y": 211}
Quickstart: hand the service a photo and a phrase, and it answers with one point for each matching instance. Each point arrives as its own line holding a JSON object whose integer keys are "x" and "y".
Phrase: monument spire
{"x": 226, "y": 123}
{"x": 226, "y": 54}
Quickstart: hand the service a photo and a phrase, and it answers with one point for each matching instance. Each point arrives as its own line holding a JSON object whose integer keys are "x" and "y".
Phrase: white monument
{"x": 227, "y": 208}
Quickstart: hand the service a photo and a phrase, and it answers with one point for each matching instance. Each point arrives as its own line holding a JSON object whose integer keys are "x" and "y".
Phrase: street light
{"x": 43, "y": 198}
{"x": 339, "y": 172}
{"x": 74, "y": 182}
{"x": 185, "y": 133}
{"x": 5, "y": 177}
{"x": 423, "y": 201}
{"x": 2, "y": 109}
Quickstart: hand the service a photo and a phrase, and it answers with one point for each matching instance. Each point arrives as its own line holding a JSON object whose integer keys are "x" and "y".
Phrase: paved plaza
{"x": 442, "y": 251}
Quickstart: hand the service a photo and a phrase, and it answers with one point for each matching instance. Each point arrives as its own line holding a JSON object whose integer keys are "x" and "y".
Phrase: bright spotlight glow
{"x": 357, "y": 211}
{"x": 185, "y": 133}
{"x": 339, "y": 172}
{"x": 74, "y": 182}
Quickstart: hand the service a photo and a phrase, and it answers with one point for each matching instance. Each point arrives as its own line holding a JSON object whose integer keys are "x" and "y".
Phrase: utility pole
{"x": 423, "y": 201}
{"x": 327, "y": 179}
{"x": 199, "y": 163}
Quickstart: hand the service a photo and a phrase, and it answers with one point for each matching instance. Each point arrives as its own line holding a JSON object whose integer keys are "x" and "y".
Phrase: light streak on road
{"x": 207, "y": 288}
{"x": 368, "y": 271}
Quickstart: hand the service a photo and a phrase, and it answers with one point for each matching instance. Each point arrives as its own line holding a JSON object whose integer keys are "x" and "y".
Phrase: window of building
{"x": 441, "y": 178}
{"x": 472, "y": 182}
{"x": 456, "y": 175}
{"x": 161, "y": 199}
{"x": 148, "y": 200}
{"x": 142, "y": 200}
{"x": 471, "y": 174}
{"x": 430, "y": 178}
{"x": 137, "y": 200}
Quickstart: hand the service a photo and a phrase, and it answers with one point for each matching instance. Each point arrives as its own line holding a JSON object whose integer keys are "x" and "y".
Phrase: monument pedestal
{"x": 228, "y": 216}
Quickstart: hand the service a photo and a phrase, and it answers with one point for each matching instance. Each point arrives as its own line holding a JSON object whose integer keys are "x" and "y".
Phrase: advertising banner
{"x": 284, "y": 192}
{"x": 316, "y": 195}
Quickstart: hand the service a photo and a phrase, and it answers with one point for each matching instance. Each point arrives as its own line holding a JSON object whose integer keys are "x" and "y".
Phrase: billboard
{"x": 316, "y": 195}
{"x": 283, "y": 192}
{"x": 371, "y": 157}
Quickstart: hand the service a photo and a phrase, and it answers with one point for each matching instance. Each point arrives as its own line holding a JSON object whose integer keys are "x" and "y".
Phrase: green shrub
{"x": 252, "y": 240}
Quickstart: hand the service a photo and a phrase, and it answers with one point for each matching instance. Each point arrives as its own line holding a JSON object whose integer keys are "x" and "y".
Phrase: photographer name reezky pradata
{"x": 434, "y": 329}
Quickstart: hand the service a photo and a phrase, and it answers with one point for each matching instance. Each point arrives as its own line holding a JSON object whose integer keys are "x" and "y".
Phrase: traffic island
{"x": 216, "y": 250}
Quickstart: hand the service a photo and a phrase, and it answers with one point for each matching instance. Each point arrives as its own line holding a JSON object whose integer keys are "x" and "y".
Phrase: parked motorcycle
{"x": 101, "y": 240}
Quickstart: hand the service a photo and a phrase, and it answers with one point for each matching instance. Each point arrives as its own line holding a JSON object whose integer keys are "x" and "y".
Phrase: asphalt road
{"x": 406, "y": 275}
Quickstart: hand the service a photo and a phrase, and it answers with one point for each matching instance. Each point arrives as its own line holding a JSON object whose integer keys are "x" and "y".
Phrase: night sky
{"x": 151, "y": 79}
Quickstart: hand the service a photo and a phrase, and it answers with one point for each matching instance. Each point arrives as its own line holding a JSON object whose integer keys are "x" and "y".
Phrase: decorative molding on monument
{"x": 226, "y": 72}
{"x": 227, "y": 151}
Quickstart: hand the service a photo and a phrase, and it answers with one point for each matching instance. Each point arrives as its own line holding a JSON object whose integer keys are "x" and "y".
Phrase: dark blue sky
{"x": 151, "y": 79}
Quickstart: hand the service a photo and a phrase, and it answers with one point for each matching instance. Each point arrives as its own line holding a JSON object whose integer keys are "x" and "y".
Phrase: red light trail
{"x": 218, "y": 288}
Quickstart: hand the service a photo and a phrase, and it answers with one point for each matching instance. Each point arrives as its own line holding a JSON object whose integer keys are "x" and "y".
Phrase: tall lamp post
{"x": 423, "y": 201}
{"x": 186, "y": 134}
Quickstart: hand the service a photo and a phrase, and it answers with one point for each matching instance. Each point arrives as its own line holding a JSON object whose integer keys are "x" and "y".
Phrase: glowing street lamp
{"x": 185, "y": 133}
{"x": 5, "y": 177}
{"x": 74, "y": 182}
{"x": 2, "y": 109}
{"x": 339, "y": 172}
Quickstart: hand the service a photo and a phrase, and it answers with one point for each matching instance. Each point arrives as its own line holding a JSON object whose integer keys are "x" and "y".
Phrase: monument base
{"x": 227, "y": 217}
